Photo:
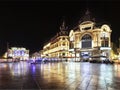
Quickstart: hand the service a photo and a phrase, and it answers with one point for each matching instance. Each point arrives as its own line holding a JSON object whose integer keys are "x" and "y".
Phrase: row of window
{"x": 88, "y": 44}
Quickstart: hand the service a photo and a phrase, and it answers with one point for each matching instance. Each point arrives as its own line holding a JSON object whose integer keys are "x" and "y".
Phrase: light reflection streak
{"x": 33, "y": 69}
{"x": 117, "y": 70}
{"x": 63, "y": 72}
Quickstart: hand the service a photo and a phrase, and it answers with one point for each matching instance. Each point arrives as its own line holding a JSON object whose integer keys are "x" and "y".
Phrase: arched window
{"x": 86, "y": 41}
{"x": 86, "y": 37}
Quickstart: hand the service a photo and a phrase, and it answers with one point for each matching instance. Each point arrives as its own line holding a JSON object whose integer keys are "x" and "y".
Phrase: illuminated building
{"x": 18, "y": 53}
{"x": 119, "y": 50}
{"x": 58, "y": 46}
{"x": 84, "y": 40}
{"x": 36, "y": 56}
{"x": 87, "y": 39}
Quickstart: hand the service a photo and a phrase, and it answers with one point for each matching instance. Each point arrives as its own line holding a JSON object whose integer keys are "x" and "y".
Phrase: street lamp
{"x": 75, "y": 54}
{"x": 7, "y": 50}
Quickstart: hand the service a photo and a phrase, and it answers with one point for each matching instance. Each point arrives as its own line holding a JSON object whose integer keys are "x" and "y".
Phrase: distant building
{"x": 36, "y": 56}
{"x": 18, "y": 53}
{"x": 58, "y": 46}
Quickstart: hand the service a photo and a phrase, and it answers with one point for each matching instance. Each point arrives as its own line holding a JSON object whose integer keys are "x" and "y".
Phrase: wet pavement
{"x": 59, "y": 76}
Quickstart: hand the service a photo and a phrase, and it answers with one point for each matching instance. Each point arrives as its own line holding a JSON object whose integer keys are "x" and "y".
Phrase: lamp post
{"x": 75, "y": 54}
{"x": 7, "y": 50}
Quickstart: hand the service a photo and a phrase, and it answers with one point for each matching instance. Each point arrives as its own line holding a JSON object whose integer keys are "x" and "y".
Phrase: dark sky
{"x": 30, "y": 24}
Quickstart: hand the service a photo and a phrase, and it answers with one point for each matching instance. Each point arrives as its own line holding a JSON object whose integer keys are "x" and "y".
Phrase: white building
{"x": 18, "y": 53}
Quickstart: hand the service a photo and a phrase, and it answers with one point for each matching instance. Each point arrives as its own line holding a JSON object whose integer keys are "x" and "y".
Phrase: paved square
{"x": 59, "y": 76}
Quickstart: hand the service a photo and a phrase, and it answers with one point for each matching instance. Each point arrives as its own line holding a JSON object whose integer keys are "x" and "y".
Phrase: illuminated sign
{"x": 105, "y": 48}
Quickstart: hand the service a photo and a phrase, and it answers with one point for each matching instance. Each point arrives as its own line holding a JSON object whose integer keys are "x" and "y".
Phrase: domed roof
{"x": 86, "y": 22}
{"x": 87, "y": 17}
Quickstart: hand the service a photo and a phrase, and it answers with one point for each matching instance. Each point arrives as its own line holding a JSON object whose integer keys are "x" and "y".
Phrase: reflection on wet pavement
{"x": 59, "y": 76}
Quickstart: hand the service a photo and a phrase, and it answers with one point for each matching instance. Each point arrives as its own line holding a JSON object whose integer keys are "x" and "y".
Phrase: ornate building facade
{"x": 87, "y": 40}
{"x": 19, "y": 53}
{"x": 83, "y": 41}
{"x": 58, "y": 46}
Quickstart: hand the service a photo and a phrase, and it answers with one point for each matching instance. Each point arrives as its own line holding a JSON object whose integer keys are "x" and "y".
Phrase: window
{"x": 86, "y": 28}
{"x": 63, "y": 38}
{"x": 105, "y": 42}
{"x": 63, "y": 44}
{"x": 71, "y": 45}
{"x": 86, "y": 41}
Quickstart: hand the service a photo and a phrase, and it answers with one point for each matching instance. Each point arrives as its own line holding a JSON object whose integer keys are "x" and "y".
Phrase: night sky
{"x": 30, "y": 24}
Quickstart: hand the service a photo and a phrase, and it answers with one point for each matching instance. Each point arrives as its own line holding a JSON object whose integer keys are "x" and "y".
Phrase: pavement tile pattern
{"x": 59, "y": 76}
